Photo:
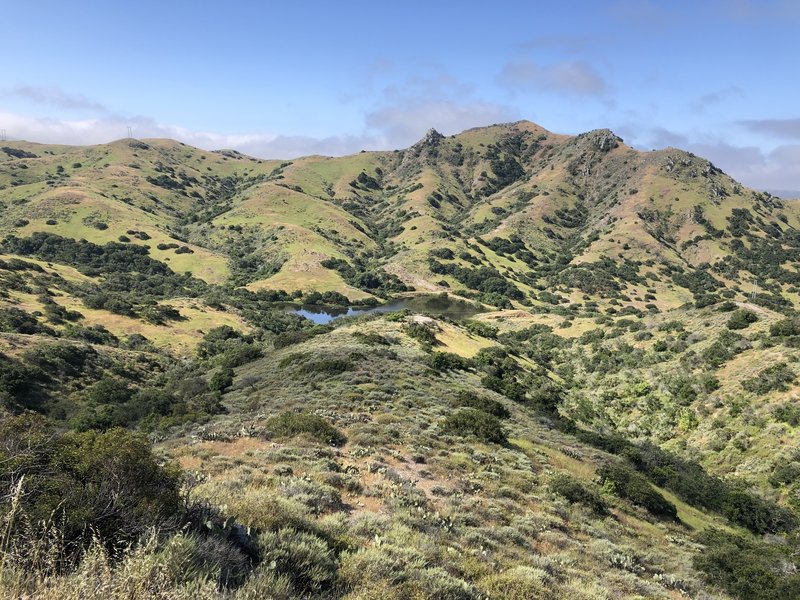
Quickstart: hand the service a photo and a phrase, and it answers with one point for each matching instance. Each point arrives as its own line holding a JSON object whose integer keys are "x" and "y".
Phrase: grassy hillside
{"x": 618, "y": 420}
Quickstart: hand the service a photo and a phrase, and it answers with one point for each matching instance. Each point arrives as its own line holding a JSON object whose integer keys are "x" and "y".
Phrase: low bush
{"x": 748, "y": 568}
{"x": 741, "y": 319}
{"x": 447, "y": 361}
{"x": 290, "y": 424}
{"x": 482, "y": 403}
{"x": 627, "y": 483}
{"x": 107, "y": 483}
{"x": 305, "y": 559}
{"x": 472, "y": 422}
{"x": 776, "y": 377}
{"x": 422, "y": 333}
{"x": 575, "y": 491}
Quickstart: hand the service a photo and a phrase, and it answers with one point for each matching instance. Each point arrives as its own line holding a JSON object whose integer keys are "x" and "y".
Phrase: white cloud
{"x": 402, "y": 115}
{"x": 779, "y": 128}
{"x": 571, "y": 77}
{"x": 404, "y": 123}
{"x": 105, "y": 129}
{"x": 54, "y": 96}
{"x": 711, "y": 99}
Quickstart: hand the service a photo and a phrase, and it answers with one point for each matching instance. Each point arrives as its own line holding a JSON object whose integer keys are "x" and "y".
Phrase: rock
{"x": 602, "y": 139}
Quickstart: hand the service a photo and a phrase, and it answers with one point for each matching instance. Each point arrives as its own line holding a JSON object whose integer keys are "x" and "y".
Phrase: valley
{"x": 506, "y": 363}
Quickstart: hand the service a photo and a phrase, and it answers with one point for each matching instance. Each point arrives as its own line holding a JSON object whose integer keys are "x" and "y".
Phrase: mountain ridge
{"x": 614, "y": 416}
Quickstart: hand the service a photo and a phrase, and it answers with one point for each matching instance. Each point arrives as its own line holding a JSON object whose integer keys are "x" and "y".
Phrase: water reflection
{"x": 437, "y": 305}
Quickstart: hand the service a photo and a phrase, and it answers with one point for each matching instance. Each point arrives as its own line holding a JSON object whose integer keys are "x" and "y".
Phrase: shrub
{"x": 741, "y": 319}
{"x": 787, "y": 331}
{"x": 471, "y": 422}
{"x": 108, "y": 481}
{"x": 14, "y": 320}
{"x": 445, "y": 253}
{"x": 482, "y": 329}
{"x": 422, "y": 333}
{"x": 290, "y": 424}
{"x": 370, "y": 338}
{"x": 239, "y": 355}
{"x": 482, "y": 403}
{"x": 726, "y": 306}
{"x": 159, "y": 314}
{"x": 437, "y": 583}
{"x": 109, "y": 390}
{"x": 61, "y": 358}
{"x": 217, "y": 340}
{"x": 627, "y": 483}
{"x": 305, "y": 559}
{"x": 221, "y": 380}
{"x": 728, "y": 345}
{"x": 747, "y": 568}
{"x": 575, "y": 491}
{"x": 776, "y": 377}
{"x": 17, "y": 381}
{"x": 329, "y": 366}
{"x": 447, "y": 361}
{"x": 788, "y": 413}
{"x": 517, "y": 583}
{"x": 785, "y": 473}
{"x": 290, "y": 338}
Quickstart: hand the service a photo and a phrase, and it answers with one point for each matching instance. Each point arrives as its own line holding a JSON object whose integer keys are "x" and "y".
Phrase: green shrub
{"x": 290, "y": 338}
{"x": 471, "y": 422}
{"x": 787, "y": 331}
{"x": 239, "y": 354}
{"x": 422, "y": 333}
{"x": 328, "y": 366}
{"x": 447, "y": 361}
{"x": 18, "y": 381}
{"x": 437, "y": 583}
{"x": 727, "y": 345}
{"x": 482, "y": 329}
{"x": 221, "y": 380}
{"x": 627, "y": 483}
{"x": 741, "y": 319}
{"x": 573, "y": 490}
{"x": 217, "y": 340}
{"x": 517, "y": 583}
{"x": 110, "y": 482}
{"x": 785, "y": 473}
{"x": 726, "y": 306}
{"x": 305, "y": 559}
{"x": 370, "y": 338}
{"x": 748, "y": 568}
{"x": 290, "y": 424}
{"x": 776, "y": 377}
{"x": 482, "y": 403}
{"x": 109, "y": 390}
{"x": 788, "y": 413}
{"x": 14, "y": 320}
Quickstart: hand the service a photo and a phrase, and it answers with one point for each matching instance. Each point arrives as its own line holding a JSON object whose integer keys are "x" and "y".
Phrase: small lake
{"x": 435, "y": 305}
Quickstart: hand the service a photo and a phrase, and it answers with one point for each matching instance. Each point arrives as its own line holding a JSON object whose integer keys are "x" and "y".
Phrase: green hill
{"x": 616, "y": 419}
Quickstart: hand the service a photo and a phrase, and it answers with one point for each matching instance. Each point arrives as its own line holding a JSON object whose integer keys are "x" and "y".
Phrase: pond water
{"x": 436, "y": 305}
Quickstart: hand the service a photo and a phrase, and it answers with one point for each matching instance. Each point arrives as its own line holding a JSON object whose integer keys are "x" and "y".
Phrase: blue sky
{"x": 284, "y": 79}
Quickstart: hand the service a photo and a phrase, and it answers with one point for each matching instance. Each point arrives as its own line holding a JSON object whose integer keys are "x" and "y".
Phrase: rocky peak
{"x": 602, "y": 139}
{"x": 432, "y": 138}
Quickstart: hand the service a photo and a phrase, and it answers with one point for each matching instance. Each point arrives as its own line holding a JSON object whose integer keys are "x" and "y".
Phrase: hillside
{"x": 541, "y": 209}
{"x": 615, "y": 418}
